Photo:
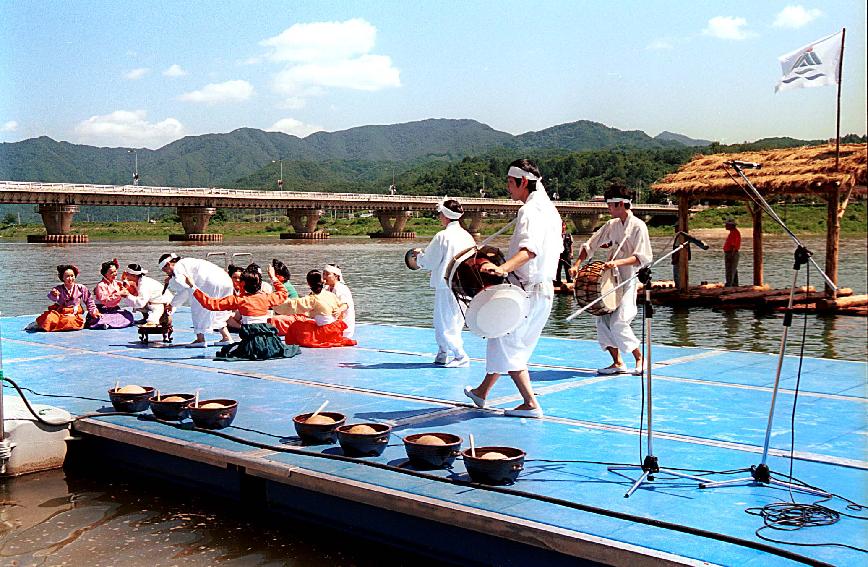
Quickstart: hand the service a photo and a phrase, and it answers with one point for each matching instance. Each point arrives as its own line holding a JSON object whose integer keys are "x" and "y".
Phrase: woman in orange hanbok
{"x": 66, "y": 313}
{"x": 313, "y": 321}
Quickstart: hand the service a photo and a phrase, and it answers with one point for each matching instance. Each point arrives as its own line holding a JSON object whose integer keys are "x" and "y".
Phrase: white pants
{"x": 204, "y": 320}
{"x": 511, "y": 352}
{"x": 448, "y": 323}
{"x": 614, "y": 330}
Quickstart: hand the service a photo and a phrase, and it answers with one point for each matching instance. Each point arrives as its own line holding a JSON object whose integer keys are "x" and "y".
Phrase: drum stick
{"x": 117, "y": 385}
{"x": 472, "y": 447}
{"x": 158, "y": 395}
{"x": 196, "y": 400}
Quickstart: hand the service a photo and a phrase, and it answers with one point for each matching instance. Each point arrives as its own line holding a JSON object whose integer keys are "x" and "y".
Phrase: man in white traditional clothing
{"x": 334, "y": 280}
{"x": 212, "y": 280}
{"x": 626, "y": 238}
{"x": 448, "y": 319}
{"x": 145, "y": 294}
{"x": 534, "y": 251}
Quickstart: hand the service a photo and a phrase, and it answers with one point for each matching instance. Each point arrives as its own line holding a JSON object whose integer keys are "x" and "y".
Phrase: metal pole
{"x": 838, "y": 121}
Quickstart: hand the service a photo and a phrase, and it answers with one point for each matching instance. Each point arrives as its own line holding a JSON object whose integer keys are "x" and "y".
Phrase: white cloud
{"x": 294, "y": 127}
{"x": 230, "y": 91}
{"x": 796, "y": 17}
{"x": 128, "y": 128}
{"x": 10, "y": 126}
{"x": 293, "y": 103}
{"x": 660, "y": 44}
{"x": 727, "y": 27}
{"x": 136, "y": 74}
{"x": 327, "y": 55}
{"x": 365, "y": 73}
{"x": 175, "y": 71}
{"x": 320, "y": 41}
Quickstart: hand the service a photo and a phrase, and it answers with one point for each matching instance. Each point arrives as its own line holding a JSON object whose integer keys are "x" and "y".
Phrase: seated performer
{"x": 312, "y": 321}
{"x": 283, "y": 275}
{"x": 334, "y": 281}
{"x": 259, "y": 340}
{"x": 66, "y": 313}
{"x": 212, "y": 280}
{"x": 109, "y": 294}
{"x": 448, "y": 319}
{"x": 144, "y": 294}
{"x": 630, "y": 249}
{"x": 234, "y": 322}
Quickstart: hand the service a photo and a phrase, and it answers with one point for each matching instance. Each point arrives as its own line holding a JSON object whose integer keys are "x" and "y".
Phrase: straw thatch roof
{"x": 791, "y": 171}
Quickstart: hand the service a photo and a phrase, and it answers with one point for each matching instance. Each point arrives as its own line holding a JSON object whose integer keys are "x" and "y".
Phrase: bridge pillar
{"x": 195, "y": 222}
{"x": 304, "y": 223}
{"x": 393, "y": 223}
{"x": 58, "y": 223}
{"x": 585, "y": 223}
{"x": 473, "y": 222}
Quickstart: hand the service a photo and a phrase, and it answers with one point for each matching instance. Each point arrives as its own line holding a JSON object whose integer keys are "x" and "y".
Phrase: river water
{"x": 69, "y": 518}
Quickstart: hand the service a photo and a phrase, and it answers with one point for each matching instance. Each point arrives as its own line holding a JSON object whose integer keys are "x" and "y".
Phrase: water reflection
{"x": 78, "y": 518}
{"x": 387, "y": 292}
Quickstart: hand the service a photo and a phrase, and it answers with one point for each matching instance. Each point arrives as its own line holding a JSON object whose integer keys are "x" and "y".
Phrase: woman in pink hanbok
{"x": 109, "y": 292}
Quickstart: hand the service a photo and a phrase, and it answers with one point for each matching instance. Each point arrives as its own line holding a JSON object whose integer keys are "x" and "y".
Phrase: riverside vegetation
{"x": 801, "y": 218}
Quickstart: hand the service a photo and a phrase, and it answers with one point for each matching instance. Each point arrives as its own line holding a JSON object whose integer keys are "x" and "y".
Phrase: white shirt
{"x": 637, "y": 243}
{"x": 441, "y": 250}
{"x": 148, "y": 290}
{"x": 344, "y": 294}
{"x": 537, "y": 229}
{"x": 210, "y": 278}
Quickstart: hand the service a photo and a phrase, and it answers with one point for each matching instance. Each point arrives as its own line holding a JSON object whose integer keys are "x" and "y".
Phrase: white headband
{"x": 618, "y": 200}
{"x": 132, "y": 272}
{"x": 333, "y": 269}
{"x": 170, "y": 258}
{"x": 447, "y": 212}
{"x": 518, "y": 173}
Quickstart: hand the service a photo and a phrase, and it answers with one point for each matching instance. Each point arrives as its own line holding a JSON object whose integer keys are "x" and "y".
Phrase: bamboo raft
{"x": 806, "y": 300}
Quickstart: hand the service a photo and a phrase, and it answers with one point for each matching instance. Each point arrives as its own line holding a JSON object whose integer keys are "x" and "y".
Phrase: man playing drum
{"x": 534, "y": 251}
{"x": 630, "y": 248}
{"x": 448, "y": 320}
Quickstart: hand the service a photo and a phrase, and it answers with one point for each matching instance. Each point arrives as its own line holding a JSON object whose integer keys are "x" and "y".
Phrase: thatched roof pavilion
{"x": 807, "y": 171}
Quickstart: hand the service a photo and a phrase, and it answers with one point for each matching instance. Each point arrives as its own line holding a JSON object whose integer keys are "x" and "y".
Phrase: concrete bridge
{"x": 57, "y": 203}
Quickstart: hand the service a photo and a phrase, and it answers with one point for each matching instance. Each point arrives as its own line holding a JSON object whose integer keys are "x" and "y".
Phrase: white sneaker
{"x": 611, "y": 370}
{"x": 440, "y": 358}
{"x": 197, "y": 344}
{"x": 222, "y": 342}
{"x": 462, "y": 362}
{"x": 637, "y": 371}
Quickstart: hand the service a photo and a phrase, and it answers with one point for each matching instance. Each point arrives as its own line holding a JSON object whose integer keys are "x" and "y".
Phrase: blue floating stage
{"x": 710, "y": 414}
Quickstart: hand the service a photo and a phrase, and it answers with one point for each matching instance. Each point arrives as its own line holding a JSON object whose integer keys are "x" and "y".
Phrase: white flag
{"x": 814, "y": 65}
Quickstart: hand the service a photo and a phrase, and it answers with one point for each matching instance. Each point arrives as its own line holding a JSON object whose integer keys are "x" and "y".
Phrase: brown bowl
{"x": 318, "y": 433}
{"x": 131, "y": 403}
{"x": 171, "y": 411}
{"x": 496, "y": 471}
{"x": 213, "y": 418}
{"x": 432, "y": 456}
{"x": 364, "y": 444}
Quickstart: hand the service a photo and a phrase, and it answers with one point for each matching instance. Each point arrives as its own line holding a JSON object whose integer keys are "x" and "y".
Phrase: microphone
{"x": 694, "y": 240}
{"x": 744, "y": 164}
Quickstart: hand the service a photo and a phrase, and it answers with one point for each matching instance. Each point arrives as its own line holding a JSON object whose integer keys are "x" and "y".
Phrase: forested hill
{"x": 222, "y": 159}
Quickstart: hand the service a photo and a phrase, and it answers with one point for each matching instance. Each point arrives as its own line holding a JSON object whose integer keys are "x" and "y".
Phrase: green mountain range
{"x": 224, "y": 159}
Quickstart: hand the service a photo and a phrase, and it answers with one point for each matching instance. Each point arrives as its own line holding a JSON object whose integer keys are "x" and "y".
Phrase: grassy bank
{"x": 802, "y": 219}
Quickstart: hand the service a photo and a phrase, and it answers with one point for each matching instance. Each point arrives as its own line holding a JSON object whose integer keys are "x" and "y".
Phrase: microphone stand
{"x": 761, "y": 474}
{"x": 650, "y": 465}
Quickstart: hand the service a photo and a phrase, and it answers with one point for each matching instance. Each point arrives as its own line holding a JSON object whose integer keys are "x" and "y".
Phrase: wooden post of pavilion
{"x": 836, "y": 206}
{"x": 756, "y": 214}
{"x": 681, "y": 226}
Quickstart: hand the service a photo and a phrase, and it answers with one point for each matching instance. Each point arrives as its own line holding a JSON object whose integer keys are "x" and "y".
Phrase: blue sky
{"x": 144, "y": 73}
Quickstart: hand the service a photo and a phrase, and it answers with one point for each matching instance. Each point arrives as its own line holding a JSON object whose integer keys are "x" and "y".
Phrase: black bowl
{"x": 364, "y": 444}
{"x": 131, "y": 403}
{"x": 213, "y": 418}
{"x": 496, "y": 471}
{"x": 318, "y": 434}
{"x": 171, "y": 411}
{"x": 432, "y": 456}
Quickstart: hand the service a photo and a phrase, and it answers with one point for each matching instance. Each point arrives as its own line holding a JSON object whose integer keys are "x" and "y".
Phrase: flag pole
{"x": 838, "y": 121}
